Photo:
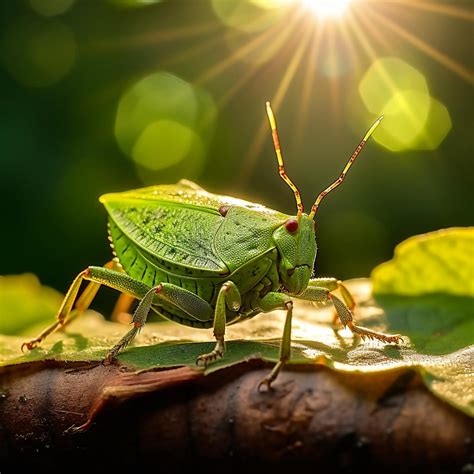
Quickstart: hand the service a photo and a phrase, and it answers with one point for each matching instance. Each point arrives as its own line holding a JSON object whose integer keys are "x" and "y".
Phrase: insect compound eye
{"x": 223, "y": 210}
{"x": 291, "y": 225}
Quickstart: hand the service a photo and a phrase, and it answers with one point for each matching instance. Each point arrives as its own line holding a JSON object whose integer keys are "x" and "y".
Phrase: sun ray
{"x": 257, "y": 143}
{"x": 374, "y": 32}
{"x": 370, "y": 51}
{"x": 367, "y": 47}
{"x": 442, "y": 8}
{"x": 238, "y": 84}
{"x": 252, "y": 71}
{"x": 238, "y": 54}
{"x": 233, "y": 58}
{"x": 432, "y": 52}
{"x": 308, "y": 83}
{"x": 155, "y": 38}
{"x": 334, "y": 90}
{"x": 349, "y": 42}
{"x": 197, "y": 50}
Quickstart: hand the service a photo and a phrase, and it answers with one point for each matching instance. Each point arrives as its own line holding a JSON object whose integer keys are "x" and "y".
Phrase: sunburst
{"x": 313, "y": 27}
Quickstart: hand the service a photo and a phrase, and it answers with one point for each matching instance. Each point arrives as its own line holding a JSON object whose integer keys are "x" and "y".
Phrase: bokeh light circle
{"x": 437, "y": 126}
{"x": 413, "y": 119}
{"x": 246, "y": 15}
{"x": 51, "y": 7}
{"x": 405, "y": 116}
{"x": 173, "y": 139}
{"x": 158, "y": 96}
{"x": 386, "y": 77}
{"x": 165, "y": 124}
{"x": 38, "y": 53}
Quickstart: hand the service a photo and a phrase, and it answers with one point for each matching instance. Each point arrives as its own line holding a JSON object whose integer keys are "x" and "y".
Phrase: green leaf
{"x": 440, "y": 262}
{"x": 437, "y": 328}
{"x": 427, "y": 293}
{"x": 24, "y": 302}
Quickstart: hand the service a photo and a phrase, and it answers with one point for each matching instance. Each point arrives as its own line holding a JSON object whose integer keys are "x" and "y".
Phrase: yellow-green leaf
{"x": 440, "y": 262}
{"x": 427, "y": 293}
{"x": 438, "y": 330}
{"x": 25, "y": 302}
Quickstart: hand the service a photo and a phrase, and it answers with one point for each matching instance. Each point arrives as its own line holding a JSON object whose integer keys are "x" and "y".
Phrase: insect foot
{"x": 111, "y": 355}
{"x": 108, "y": 359}
{"x": 30, "y": 344}
{"x": 267, "y": 381}
{"x": 265, "y": 384}
{"x": 205, "y": 359}
{"x": 369, "y": 334}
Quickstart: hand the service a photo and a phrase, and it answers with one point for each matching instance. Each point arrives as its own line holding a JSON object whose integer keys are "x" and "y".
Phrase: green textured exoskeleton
{"x": 205, "y": 260}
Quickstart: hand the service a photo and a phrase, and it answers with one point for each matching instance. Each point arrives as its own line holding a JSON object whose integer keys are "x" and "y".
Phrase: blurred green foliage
{"x": 32, "y": 304}
{"x": 66, "y": 66}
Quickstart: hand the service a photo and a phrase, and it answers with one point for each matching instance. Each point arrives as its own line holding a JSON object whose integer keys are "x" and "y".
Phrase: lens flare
{"x": 327, "y": 8}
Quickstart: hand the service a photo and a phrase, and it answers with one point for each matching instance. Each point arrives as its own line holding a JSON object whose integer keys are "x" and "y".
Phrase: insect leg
{"x": 97, "y": 276}
{"x": 229, "y": 297}
{"x": 179, "y": 297}
{"x": 333, "y": 284}
{"x": 185, "y": 300}
{"x": 270, "y": 302}
{"x": 345, "y": 315}
{"x": 314, "y": 293}
{"x": 139, "y": 319}
{"x": 86, "y": 297}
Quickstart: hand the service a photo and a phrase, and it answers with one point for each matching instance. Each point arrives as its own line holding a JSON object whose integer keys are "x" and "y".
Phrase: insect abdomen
{"x": 136, "y": 263}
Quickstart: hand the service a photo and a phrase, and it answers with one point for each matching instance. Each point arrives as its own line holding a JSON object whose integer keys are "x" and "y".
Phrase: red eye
{"x": 291, "y": 225}
{"x": 223, "y": 210}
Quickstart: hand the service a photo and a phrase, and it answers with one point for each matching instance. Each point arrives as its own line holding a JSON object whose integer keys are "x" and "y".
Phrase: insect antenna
{"x": 281, "y": 166}
{"x": 339, "y": 180}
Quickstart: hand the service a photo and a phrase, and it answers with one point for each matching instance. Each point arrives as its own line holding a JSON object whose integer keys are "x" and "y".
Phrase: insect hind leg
{"x": 139, "y": 320}
{"x": 164, "y": 294}
{"x": 109, "y": 275}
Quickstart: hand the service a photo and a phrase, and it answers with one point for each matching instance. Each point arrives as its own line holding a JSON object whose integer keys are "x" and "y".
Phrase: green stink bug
{"x": 205, "y": 260}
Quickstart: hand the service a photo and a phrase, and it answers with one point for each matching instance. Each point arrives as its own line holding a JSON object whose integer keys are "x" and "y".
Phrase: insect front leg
{"x": 270, "y": 302}
{"x": 65, "y": 315}
{"x": 320, "y": 294}
{"x": 229, "y": 296}
{"x": 334, "y": 284}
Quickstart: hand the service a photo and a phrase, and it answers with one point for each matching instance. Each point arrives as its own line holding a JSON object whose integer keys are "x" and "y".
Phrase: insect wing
{"x": 180, "y": 223}
{"x": 169, "y": 231}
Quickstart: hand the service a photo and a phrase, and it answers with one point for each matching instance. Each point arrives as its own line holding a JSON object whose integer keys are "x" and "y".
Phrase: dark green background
{"x": 58, "y": 150}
